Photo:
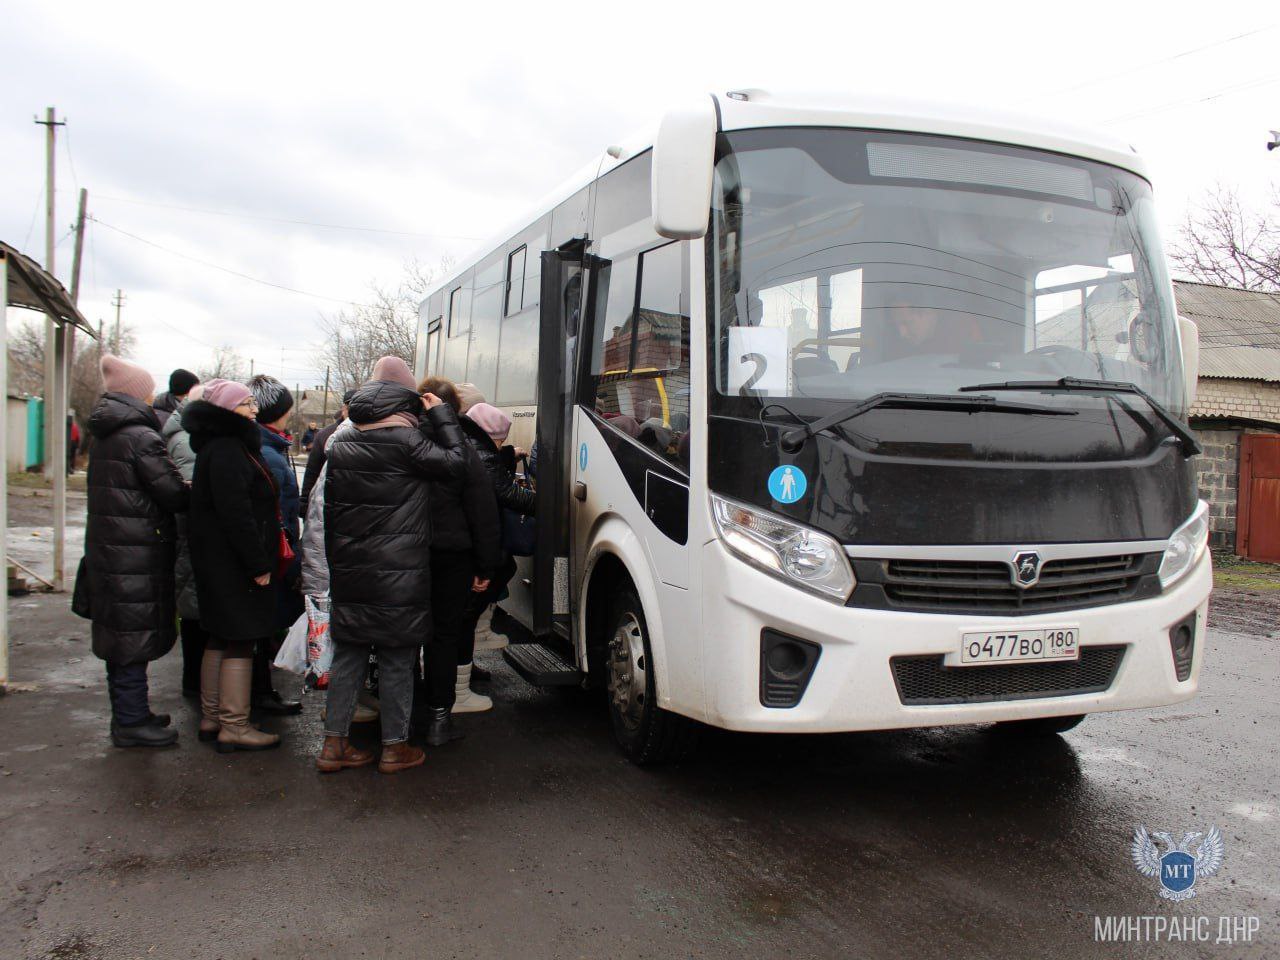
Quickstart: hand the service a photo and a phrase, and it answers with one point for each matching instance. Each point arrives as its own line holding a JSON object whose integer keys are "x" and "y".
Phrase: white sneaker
{"x": 467, "y": 700}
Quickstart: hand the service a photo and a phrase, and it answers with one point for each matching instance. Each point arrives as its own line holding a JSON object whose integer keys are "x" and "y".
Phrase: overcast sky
{"x": 319, "y": 147}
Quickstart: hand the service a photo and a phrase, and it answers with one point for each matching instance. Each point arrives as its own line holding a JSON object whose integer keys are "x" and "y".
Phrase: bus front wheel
{"x": 646, "y": 733}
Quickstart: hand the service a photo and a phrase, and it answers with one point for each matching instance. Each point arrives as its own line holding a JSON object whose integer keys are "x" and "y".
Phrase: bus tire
{"x": 1040, "y": 726}
{"x": 646, "y": 733}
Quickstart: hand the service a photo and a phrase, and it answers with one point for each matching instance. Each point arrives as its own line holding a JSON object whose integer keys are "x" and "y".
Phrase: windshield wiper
{"x": 1190, "y": 446}
{"x": 793, "y": 440}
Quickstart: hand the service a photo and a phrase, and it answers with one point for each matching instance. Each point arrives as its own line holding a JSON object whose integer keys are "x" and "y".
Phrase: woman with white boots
{"x": 234, "y": 535}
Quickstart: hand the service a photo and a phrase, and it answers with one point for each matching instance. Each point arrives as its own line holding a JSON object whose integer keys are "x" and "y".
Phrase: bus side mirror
{"x": 683, "y": 160}
{"x": 1189, "y": 336}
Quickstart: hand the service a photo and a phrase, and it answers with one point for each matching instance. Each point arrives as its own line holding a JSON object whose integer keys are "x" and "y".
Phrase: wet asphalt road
{"x": 532, "y": 838}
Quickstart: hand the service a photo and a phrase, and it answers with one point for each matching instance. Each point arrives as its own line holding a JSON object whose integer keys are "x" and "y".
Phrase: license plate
{"x": 1005, "y": 646}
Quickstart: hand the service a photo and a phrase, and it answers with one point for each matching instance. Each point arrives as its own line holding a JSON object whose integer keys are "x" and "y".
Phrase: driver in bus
{"x": 927, "y": 330}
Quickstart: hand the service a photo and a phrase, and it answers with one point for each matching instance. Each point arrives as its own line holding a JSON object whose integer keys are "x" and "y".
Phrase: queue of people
{"x": 199, "y": 529}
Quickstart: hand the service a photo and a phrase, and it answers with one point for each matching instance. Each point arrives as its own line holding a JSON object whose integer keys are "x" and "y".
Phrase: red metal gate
{"x": 1258, "y": 511}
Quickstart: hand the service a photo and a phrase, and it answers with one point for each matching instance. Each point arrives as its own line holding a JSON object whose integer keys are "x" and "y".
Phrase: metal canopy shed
{"x": 27, "y": 284}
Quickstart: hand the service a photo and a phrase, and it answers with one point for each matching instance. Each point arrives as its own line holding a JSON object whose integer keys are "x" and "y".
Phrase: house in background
{"x": 1236, "y": 414}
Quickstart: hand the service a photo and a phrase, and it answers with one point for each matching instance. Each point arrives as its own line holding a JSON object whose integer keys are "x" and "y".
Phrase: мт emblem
{"x": 1177, "y": 868}
{"x": 1026, "y": 569}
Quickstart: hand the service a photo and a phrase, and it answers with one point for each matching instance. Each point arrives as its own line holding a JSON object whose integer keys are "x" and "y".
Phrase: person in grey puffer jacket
{"x": 314, "y": 570}
{"x": 178, "y": 442}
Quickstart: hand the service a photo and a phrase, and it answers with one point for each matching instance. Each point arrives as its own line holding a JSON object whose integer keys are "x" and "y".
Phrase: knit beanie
{"x": 394, "y": 370}
{"x": 181, "y": 381}
{"x": 468, "y": 396}
{"x": 274, "y": 398}
{"x": 121, "y": 376}
{"x": 226, "y": 394}
{"x": 196, "y": 392}
{"x": 492, "y": 421}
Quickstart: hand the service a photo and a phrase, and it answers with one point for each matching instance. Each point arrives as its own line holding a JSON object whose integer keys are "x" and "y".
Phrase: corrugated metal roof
{"x": 1239, "y": 330}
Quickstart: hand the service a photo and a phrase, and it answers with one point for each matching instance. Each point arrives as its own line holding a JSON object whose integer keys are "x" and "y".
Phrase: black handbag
{"x": 81, "y": 597}
{"x": 519, "y": 533}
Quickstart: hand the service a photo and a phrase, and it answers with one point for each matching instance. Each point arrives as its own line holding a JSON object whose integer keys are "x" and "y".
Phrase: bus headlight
{"x": 787, "y": 550}
{"x": 1186, "y": 546}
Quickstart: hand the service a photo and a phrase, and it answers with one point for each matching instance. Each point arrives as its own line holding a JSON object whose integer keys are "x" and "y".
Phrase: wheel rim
{"x": 627, "y": 674}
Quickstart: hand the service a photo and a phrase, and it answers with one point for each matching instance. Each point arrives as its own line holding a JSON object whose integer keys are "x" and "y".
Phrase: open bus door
{"x": 549, "y": 659}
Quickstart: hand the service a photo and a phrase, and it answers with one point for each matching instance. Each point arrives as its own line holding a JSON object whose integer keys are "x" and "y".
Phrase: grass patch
{"x": 37, "y": 481}
{"x": 1232, "y": 571}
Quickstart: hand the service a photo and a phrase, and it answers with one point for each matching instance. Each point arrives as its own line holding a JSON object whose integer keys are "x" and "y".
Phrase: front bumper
{"x": 852, "y": 687}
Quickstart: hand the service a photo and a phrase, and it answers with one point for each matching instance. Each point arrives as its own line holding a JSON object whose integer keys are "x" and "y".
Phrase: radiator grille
{"x": 971, "y": 586}
{"x": 925, "y": 680}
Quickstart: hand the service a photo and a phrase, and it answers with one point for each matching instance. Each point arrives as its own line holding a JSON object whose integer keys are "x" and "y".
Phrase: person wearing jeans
{"x": 125, "y": 584}
{"x": 377, "y": 530}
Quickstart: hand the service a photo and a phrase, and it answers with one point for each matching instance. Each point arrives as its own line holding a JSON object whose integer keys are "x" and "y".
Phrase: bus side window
{"x": 641, "y": 358}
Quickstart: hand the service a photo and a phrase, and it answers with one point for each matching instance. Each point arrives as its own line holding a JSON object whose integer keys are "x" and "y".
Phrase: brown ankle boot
{"x": 234, "y": 681}
{"x": 210, "y": 669}
{"x": 337, "y": 754}
{"x": 400, "y": 756}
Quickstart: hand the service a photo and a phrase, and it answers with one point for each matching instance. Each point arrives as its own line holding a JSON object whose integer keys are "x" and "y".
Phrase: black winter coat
{"x": 129, "y": 547}
{"x": 511, "y": 496}
{"x": 377, "y": 517}
{"x": 233, "y": 527}
{"x": 464, "y": 514}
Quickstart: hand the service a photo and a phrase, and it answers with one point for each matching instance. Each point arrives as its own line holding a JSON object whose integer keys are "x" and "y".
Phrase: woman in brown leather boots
{"x": 234, "y": 533}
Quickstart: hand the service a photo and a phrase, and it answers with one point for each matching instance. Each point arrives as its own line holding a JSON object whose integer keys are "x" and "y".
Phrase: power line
{"x": 304, "y": 223}
{"x": 66, "y": 144}
{"x": 1225, "y": 92}
{"x": 35, "y": 210}
{"x": 1153, "y": 63}
{"x": 234, "y": 273}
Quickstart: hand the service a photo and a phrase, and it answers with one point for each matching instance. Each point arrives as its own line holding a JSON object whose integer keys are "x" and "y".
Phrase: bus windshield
{"x": 849, "y": 263}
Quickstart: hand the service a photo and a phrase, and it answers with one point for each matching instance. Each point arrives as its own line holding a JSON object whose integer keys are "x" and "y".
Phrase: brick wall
{"x": 1218, "y": 475}
{"x": 1237, "y": 399}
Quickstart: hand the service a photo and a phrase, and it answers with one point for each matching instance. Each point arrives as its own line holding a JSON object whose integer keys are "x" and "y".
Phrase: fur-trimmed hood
{"x": 206, "y": 422}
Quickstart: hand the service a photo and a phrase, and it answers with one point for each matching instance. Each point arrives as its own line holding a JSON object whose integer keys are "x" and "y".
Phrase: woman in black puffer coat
{"x": 466, "y": 553}
{"x": 125, "y": 584}
{"x": 233, "y": 531}
{"x": 377, "y": 531}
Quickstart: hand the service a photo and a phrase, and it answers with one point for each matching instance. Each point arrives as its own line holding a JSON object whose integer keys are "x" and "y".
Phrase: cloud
{"x": 446, "y": 122}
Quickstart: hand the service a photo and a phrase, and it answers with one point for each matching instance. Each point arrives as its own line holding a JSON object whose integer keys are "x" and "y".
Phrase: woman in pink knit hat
{"x": 234, "y": 534}
{"x": 125, "y": 584}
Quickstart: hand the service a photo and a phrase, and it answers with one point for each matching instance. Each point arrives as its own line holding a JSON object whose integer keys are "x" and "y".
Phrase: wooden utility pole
{"x": 50, "y": 124}
{"x": 75, "y": 298}
{"x": 324, "y": 420}
{"x": 79, "y": 249}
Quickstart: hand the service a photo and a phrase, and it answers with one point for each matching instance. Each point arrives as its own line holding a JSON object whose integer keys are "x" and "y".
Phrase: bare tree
{"x": 26, "y": 366}
{"x": 356, "y": 336}
{"x": 226, "y": 363}
{"x": 1222, "y": 242}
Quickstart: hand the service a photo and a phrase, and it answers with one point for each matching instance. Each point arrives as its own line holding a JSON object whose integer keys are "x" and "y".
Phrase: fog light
{"x": 786, "y": 665}
{"x": 1182, "y": 643}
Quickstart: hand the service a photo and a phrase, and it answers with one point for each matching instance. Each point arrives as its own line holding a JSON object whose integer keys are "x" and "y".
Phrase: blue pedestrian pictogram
{"x": 787, "y": 484}
{"x": 582, "y": 457}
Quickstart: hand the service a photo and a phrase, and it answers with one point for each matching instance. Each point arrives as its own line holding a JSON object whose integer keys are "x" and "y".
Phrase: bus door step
{"x": 541, "y": 665}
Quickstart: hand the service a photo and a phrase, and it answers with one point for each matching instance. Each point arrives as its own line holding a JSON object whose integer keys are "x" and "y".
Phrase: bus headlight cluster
{"x": 787, "y": 550}
{"x": 1186, "y": 546}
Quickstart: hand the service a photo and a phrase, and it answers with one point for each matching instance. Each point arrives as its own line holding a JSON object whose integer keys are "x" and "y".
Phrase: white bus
{"x": 849, "y": 416}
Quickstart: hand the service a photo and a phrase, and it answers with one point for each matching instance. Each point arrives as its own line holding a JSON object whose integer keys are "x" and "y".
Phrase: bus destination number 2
{"x": 1057, "y": 643}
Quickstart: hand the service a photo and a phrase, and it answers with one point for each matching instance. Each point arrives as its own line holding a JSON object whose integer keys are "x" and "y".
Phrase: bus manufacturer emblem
{"x": 1026, "y": 569}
